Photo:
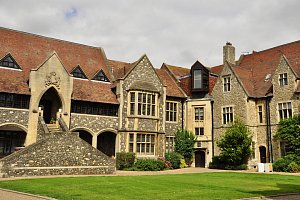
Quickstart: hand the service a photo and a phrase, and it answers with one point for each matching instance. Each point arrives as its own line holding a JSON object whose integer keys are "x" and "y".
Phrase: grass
{"x": 182, "y": 186}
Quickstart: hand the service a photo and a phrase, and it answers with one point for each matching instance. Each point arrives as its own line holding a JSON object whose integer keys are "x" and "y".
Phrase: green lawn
{"x": 185, "y": 186}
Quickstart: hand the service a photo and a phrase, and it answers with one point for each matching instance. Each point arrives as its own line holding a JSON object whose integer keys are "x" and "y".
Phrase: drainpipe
{"x": 182, "y": 115}
{"x": 212, "y": 127}
{"x": 269, "y": 133}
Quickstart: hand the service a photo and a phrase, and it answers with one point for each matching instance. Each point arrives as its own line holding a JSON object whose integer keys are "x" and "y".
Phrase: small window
{"x": 171, "y": 111}
{"x": 197, "y": 78}
{"x": 9, "y": 62}
{"x": 226, "y": 84}
{"x": 260, "y": 114}
{"x": 199, "y": 114}
{"x": 78, "y": 73}
{"x": 227, "y": 115}
{"x": 283, "y": 79}
{"x": 285, "y": 110}
{"x": 199, "y": 131}
{"x": 170, "y": 141}
{"x": 100, "y": 76}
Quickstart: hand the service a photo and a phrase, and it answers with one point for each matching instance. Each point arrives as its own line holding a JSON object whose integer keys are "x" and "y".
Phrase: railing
{"x": 63, "y": 125}
{"x": 43, "y": 125}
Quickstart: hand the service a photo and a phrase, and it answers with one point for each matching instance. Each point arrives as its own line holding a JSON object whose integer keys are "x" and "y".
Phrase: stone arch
{"x": 12, "y": 138}
{"x": 51, "y": 102}
{"x": 85, "y": 134}
{"x": 106, "y": 142}
{"x": 58, "y": 93}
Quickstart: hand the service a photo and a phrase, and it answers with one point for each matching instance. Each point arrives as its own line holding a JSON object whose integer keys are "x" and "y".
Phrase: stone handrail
{"x": 44, "y": 126}
{"x": 63, "y": 125}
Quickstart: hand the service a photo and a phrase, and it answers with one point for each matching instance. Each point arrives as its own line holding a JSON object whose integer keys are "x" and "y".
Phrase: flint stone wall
{"x": 58, "y": 154}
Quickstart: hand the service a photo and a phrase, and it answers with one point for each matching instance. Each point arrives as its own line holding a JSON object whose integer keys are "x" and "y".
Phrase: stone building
{"x": 52, "y": 89}
{"x": 260, "y": 88}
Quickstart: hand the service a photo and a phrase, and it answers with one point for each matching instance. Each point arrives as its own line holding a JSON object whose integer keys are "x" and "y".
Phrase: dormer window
{"x": 100, "y": 76}
{"x": 78, "y": 73}
{"x": 197, "y": 79}
{"x": 283, "y": 79}
{"x": 200, "y": 78}
{"x": 9, "y": 62}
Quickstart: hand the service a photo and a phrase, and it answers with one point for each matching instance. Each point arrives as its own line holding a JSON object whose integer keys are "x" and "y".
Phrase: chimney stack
{"x": 228, "y": 53}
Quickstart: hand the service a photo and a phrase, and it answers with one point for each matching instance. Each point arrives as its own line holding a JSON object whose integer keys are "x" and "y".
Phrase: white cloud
{"x": 171, "y": 31}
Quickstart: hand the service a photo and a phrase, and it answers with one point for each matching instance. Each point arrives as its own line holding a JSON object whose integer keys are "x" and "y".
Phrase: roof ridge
{"x": 274, "y": 48}
{"x": 47, "y": 37}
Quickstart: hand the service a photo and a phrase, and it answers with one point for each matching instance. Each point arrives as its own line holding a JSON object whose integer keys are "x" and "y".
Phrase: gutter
{"x": 212, "y": 128}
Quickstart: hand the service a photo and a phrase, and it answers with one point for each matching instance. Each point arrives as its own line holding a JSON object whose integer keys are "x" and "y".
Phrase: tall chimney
{"x": 228, "y": 53}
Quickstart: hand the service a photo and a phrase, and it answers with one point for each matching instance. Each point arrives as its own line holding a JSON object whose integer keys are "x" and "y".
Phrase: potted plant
{"x": 52, "y": 121}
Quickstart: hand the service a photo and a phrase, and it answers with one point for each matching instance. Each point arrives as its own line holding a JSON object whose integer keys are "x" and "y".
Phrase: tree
{"x": 184, "y": 144}
{"x": 235, "y": 144}
{"x": 289, "y": 131}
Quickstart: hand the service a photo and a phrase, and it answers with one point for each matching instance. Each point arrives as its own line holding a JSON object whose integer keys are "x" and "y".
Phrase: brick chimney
{"x": 229, "y": 53}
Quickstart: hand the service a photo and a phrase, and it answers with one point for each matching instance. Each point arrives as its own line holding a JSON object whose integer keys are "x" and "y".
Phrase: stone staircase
{"x": 53, "y": 128}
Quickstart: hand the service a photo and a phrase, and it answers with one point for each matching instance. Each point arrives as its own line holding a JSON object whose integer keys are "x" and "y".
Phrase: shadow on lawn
{"x": 281, "y": 189}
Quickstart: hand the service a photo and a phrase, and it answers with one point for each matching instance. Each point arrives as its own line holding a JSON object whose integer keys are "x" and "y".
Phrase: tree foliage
{"x": 184, "y": 144}
{"x": 289, "y": 131}
{"x": 235, "y": 144}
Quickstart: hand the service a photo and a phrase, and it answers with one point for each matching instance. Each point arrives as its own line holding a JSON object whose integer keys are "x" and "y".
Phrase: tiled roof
{"x": 31, "y": 50}
{"x": 254, "y": 67}
{"x": 93, "y": 91}
{"x": 216, "y": 69}
{"x": 178, "y": 71}
{"x": 119, "y": 69}
{"x": 172, "y": 87}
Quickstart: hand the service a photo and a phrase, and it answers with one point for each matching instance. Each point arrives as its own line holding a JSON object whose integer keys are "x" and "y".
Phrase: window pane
{"x": 197, "y": 79}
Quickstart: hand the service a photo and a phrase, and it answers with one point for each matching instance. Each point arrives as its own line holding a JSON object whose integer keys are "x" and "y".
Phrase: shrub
{"x": 125, "y": 160}
{"x": 217, "y": 162}
{"x": 288, "y": 163}
{"x": 149, "y": 165}
{"x": 184, "y": 144}
{"x": 173, "y": 159}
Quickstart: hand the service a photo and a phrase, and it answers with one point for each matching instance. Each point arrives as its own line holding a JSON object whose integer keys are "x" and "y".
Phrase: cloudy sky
{"x": 176, "y": 32}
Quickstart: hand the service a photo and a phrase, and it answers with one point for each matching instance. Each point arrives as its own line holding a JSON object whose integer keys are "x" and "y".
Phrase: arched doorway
{"x": 106, "y": 143}
{"x": 50, "y": 104}
{"x": 86, "y": 136}
{"x": 11, "y": 137}
{"x": 263, "y": 154}
{"x": 200, "y": 159}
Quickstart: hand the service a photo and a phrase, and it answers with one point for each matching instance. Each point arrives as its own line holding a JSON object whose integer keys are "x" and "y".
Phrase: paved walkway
{"x": 12, "y": 195}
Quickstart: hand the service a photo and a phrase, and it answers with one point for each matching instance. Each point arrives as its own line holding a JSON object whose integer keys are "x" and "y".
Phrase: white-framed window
{"x": 142, "y": 103}
{"x": 199, "y": 131}
{"x": 142, "y": 143}
{"x": 283, "y": 79}
{"x": 227, "y": 113}
{"x": 197, "y": 78}
{"x": 199, "y": 114}
{"x": 260, "y": 114}
{"x": 226, "y": 83}
{"x": 171, "y": 111}
{"x": 285, "y": 110}
{"x": 170, "y": 142}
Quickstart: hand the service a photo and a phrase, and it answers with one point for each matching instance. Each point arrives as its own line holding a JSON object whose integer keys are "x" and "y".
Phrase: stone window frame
{"x": 284, "y": 111}
{"x": 136, "y": 107}
{"x": 170, "y": 143}
{"x": 260, "y": 113}
{"x": 283, "y": 79}
{"x": 229, "y": 118}
{"x": 227, "y": 83}
{"x": 172, "y": 114}
{"x": 139, "y": 141}
{"x": 195, "y": 116}
{"x": 199, "y": 131}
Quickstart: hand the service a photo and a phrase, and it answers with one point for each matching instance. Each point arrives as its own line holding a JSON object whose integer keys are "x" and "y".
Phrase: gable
{"x": 9, "y": 62}
{"x": 78, "y": 73}
{"x": 100, "y": 76}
